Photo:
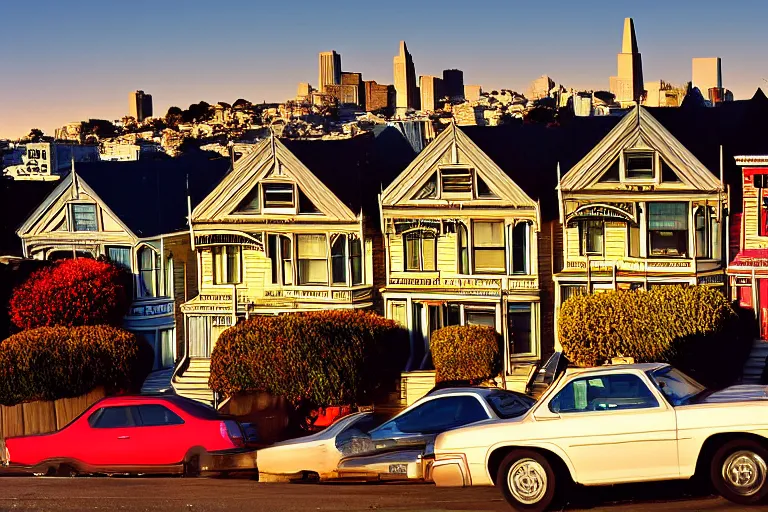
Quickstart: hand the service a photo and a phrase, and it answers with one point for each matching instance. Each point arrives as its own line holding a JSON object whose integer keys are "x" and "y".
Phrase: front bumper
{"x": 394, "y": 465}
{"x": 228, "y": 461}
{"x": 451, "y": 470}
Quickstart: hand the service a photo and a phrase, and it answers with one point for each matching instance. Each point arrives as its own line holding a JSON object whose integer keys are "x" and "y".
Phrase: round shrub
{"x": 693, "y": 328}
{"x": 48, "y": 363}
{"x": 465, "y": 353}
{"x": 73, "y": 292}
{"x": 320, "y": 358}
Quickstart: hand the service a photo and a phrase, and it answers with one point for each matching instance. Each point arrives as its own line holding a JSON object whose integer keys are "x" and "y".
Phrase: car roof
{"x": 643, "y": 367}
{"x": 481, "y": 391}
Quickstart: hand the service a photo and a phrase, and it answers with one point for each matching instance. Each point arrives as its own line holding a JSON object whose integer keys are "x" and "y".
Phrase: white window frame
{"x": 653, "y": 179}
{"x": 220, "y": 257}
{"x": 290, "y": 210}
{"x": 469, "y": 194}
{"x": 73, "y": 223}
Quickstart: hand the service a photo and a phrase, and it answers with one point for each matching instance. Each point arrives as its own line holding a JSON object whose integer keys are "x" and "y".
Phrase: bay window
{"x": 227, "y": 261}
{"x": 420, "y": 250}
{"x": 592, "y": 236}
{"x": 312, "y": 257}
{"x": 149, "y": 272}
{"x": 339, "y": 259}
{"x": 668, "y": 229}
{"x": 488, "y": 247}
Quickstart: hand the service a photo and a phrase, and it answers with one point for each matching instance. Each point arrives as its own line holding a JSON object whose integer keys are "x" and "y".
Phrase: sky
{"x": 63, "y": 62}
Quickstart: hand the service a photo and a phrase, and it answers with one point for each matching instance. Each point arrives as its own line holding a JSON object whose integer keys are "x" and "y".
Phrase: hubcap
{"x": 527, "y": 481}
{"x": 744, "y": 472}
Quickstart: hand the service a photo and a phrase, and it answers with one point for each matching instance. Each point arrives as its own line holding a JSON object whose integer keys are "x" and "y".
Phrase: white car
{"x": 611, "y": 425}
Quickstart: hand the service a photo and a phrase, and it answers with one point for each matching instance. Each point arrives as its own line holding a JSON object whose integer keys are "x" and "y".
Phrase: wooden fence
{"x": 43, "y": 417}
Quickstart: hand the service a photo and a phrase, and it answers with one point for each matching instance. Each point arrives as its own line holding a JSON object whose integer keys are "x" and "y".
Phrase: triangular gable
{"x": 639, "y": 130}
{"x": 454, "y": 147}
{"x": 269, "y": 161}
{"x": 50, "y": 215}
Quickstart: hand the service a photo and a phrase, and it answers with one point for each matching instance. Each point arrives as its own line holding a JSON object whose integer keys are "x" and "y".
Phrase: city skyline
{"x": 53, "y": 77}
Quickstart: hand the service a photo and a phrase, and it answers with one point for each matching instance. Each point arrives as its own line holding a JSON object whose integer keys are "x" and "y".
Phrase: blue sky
{"x": 66, "y": 61}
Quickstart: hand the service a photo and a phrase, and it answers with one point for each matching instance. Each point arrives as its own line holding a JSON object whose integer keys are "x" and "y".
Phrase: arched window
{"x": 149, "y": 271}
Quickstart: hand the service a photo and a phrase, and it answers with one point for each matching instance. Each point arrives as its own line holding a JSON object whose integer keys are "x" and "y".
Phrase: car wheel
{"x": 527, "y": 480}
{"x": 739, "y": 472}
{"x": 66, "y": 470}
{"x": 192, "y": 466}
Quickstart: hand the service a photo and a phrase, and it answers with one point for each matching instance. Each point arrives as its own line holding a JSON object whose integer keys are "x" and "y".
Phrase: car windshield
{"x": 509, "y": 405}
{"x": 677, "y": 387}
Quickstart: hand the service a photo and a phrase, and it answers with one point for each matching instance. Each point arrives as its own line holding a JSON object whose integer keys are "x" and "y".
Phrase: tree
{"x": 35, "y": 135}
{"x": 73, "y": 292}
{"x": 197, "y": 112}
{"x": 174, "y": 116}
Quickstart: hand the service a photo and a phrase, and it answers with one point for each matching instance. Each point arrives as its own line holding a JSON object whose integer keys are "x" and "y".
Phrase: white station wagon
{"x": 611, "y": 425}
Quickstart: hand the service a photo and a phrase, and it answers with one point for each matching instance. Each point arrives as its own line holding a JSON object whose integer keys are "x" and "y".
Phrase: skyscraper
{"x": 139, "y": 105}
{"x": 329, "y": 70}
{"x": 431, "y": 89}
{"x": 627, "y": 85}
{"x": 453, "y": 84}
{"x": 407, "y": 94}
{"x": 707, "y": 75}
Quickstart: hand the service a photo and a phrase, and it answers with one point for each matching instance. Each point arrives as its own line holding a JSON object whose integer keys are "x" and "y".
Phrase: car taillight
{"x": 231, "y": 430}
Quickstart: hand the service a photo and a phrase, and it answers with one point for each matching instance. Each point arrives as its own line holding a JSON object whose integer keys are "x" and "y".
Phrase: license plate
{"x": 398, "y": 469}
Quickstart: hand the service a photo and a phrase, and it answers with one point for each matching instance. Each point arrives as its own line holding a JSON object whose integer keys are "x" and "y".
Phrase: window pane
{"x": 669, "y": 243}
{"x": 668, "y": 216}
{"x": 313, "y": 272}
{"x": 412, "y": 252}
{"x": 605, "y": 393}
{"x": 397, "y": 312}
{"x": 592, "y": 237}
{"x": 167, "y": 344}
{"x": 429, "y": 248}
{"x": 311, "y": 246}
{"x": 463, "y": 245}
{"x": 286, "y": 253}
{"x": 456, "y": 180}
{"x": 480, "y": 317}
{"x": 639, "y": 165}
{"x": 116, "y": 417}
{"x": 120, "y": 256}
{"x": 169, "y": 284}
{"x": 157, "y": 415}
{"x": 520, "y": 234}
{"x": 272, "y": 252}
{"x": 489, "y": 234}
{"x": 356, "y": 250}
{"x": 278, "y": 195}
{"x": 339, "y": 259}
{"x": 84, "y": 217}
{"x": 147, "y": 272}
{"x": 489, "y": 260}
{"x": 452, "y": 314}
{"x": 701, "y": 221}
{"x": 313, "y": 259}
{"x": 519, "y": 328}
{"x": 441, "y": 414}
{"x": 233, "y": 264}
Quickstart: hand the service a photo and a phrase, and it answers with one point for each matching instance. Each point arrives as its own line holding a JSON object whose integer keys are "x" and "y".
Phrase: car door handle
{"x": 123, "y": 437}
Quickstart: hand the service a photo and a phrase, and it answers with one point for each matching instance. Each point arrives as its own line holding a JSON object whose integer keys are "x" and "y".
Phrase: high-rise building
{"x": 329, "y": 70}
{"x": 472, "y": 92}
{"x": 139, "y": 105}
{"x": 540, "y": 88}
{"x": 453, "y": 84}
{"x": 707, "y": 75}
{"x": 407, "y": 94}
{"x": 378, "y": 96}
{"x": 627, "y": 85}
{"x": 353, "y": 86}
{"x": 431, "y": 90}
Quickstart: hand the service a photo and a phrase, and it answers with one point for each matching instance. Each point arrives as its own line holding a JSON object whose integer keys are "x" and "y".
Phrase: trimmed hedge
{"x": 319, "y": 359}
{"x": 73, "y": 292}
{"x": 465, "y": 353}
{"x": 49, "y": 363}
{"x": 693, "y": 328}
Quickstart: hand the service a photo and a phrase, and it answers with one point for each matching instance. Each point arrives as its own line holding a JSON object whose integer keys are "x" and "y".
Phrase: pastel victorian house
{"x": 135, "y": 214}
{"x": 293, "y": 227}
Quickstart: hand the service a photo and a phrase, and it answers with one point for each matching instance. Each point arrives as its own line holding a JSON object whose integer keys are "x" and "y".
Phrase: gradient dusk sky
{"x": 65, "y": 61}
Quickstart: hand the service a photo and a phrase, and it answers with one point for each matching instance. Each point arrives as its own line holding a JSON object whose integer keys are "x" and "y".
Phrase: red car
{"x": 136, "y": 434}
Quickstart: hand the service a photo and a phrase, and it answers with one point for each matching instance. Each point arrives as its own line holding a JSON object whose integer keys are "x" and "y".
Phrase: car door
{"x": 111, "y": 440}
{"x": 614, "y": 428}
{"x": 161, "y": 438}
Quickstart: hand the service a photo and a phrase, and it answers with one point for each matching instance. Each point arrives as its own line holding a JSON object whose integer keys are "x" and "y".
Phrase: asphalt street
{"x": 200, "y": 495}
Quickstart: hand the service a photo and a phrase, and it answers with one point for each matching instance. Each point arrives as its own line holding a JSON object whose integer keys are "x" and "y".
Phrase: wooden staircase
{"x": 193, "y": 382}
{"x": 753, "y": 368}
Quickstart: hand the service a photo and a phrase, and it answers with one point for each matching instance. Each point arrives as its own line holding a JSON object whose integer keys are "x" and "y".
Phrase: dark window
{"x": 604, "y": 393}
{"x": 509, "y": 405}
{"x": 639, "y": 165}
{"x": 668, "y": 175}
{"x": 155, "y": 415}
{"x": 121, "y": 256}
{"x": 456, "y": 181}
{"x": 452, "y": 314}
{"x": 116, "y": 417}
{"x": 84, "y": 217}
{"x": 520, "y": 255}
{"x": 356, "y": 260}
{"x": 612, "y": 174}
{"x": 339, "y": 259}
{"x": 441, "y": 414}
{"x": 668, "y": 229}
{"x": 305, "y": 204}
{"x": 568, "y": 291}
{"x": 763, "y": 206}
{"x": 519, "y": 328}
{"x": 429, "y": 189}
{"x": 592, "y": 236}
{"x": 196, "y": 409}
{"x": 463, "y": 242}
{"x": 279, "y": 252}
{"x": 702, "y": 223}
{"x": 278, "y": 195}
{"x": 149, "y": 273}
{"x": 251, "y": 202}
{"x": 483, "y": 191}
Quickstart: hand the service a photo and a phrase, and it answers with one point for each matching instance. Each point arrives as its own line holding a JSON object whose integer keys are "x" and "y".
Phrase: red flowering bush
{"x": 73, "y": 292}
{"x": 49, "y": 363}
{"x": 320, "y": 358}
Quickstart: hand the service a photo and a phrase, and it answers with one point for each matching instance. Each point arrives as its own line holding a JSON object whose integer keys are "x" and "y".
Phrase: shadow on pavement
{"x": 591, "y": 497}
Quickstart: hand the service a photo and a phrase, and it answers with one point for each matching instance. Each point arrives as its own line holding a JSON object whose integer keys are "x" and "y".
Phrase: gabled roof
{"x": 18, "y": 199}
{"x": 150, "y": 196}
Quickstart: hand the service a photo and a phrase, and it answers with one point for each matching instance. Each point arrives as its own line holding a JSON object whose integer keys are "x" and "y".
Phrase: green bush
{"x": 693, "y": 328}
{"x": 465, "y": 353}
{"x": 49, "y": 363}
{"x": 319, "y": 358}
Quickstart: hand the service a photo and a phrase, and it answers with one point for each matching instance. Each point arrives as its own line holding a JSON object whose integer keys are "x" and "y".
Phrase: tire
{"x": 192, "y": 466}
{"x": 528, "y": 481}
{"x": 67, "y": 471}
{"x": 739, "y": 472}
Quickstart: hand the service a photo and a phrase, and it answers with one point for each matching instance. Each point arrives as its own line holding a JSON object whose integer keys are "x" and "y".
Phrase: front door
{"x": 614, "y": 429}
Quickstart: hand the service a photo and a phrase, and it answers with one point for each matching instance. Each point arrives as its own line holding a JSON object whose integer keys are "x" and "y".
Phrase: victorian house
{"x": 464, "y": 245}
{"x": 135, "y": 214}
{"x": 293, "y": 227}
{"x": 640, "y": 210}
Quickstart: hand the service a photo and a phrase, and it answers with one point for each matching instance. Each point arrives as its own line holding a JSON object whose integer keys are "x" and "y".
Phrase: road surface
{"x": 202, "y": 495}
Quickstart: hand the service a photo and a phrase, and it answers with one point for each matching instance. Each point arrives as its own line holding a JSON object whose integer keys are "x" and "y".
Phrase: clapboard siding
{"x": 446, "y": 254}
{"x": 572, "y": 242}
{"x": 615, "y": 240}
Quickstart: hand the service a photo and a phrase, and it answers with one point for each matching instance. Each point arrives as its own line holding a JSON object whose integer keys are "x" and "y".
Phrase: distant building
{"x": 663, "y": 94}
{"x": 627, "y": 85}
{"x": 121, "y": 152}
{"x": 139, "y": 105}
{"x": 453, "y": 84}
{"x": 304, "y": 90}
{"x": 540, "y": 88}
{"x": 472, "y": 92}
{"x": 344, "y": 94}
{"x": 431, "y": 89}
{"x": 355, "y": 82}
{"x": 329, "y": 70}
{"x": 582, "y": 104}
{"x": 707, "y": 74}
{"x": 49, "y": 160}
{"x": 70, "y": 131}
{"x": 407, "y": 94}
{"x": 378, "y": 96}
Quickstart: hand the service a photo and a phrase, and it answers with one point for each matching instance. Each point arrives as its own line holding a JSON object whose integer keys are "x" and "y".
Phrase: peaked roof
{"x": 18, "y": 199}
{"x": 150, "y": 196}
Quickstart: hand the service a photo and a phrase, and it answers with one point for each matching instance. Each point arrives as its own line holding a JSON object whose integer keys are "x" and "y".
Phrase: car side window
{"x": 114, "y": 417}
{"x": 604, "y": 393}
{"x": 156, "y": 415}
{"x": 442, "y": 414}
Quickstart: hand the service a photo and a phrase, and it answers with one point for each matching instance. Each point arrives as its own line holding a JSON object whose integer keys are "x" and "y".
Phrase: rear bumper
{"x": 228, "y": 460}
{"x": 396, "y": 465}
{"x": 451, "y": 471}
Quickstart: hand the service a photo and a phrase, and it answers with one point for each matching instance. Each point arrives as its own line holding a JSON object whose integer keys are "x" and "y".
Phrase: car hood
{"x": 742, "y": 393}
{"x": 483, "y": 433}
